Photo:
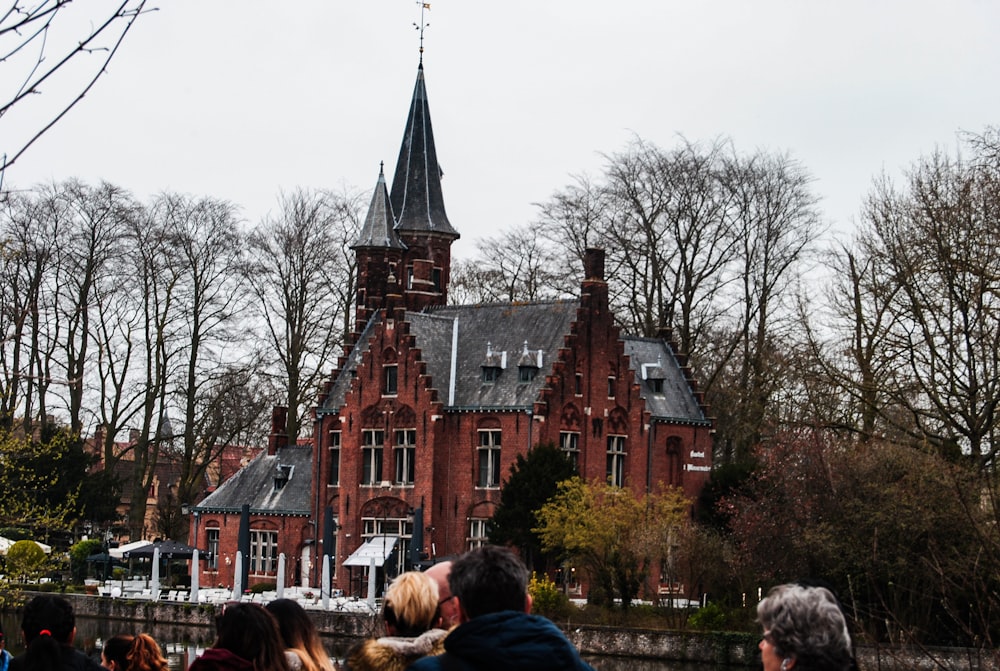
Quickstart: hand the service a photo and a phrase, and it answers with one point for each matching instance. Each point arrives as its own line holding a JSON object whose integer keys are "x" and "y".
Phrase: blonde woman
{"x": 409, "y": 611}
{"x": 303, "y": 646}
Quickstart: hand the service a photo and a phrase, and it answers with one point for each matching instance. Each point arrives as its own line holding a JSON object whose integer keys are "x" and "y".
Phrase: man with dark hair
{"x": 497, "y": 630}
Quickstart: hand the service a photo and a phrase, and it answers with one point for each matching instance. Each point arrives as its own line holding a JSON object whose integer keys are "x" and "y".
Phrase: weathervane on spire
{"x": 422, "y": 25}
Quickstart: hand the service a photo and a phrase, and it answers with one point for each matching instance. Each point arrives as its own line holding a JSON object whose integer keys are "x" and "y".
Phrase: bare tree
{"x": 777, "y": 224}
{"x": 37, "y": 47}
{"x": 210, "y": 301}
{"x": 29, "y": 241}
{"x": 91, "y": 240}
{"x": 300, "y": 269}
{"x": 518, "y": 266}
{"x": 934, "y": 243}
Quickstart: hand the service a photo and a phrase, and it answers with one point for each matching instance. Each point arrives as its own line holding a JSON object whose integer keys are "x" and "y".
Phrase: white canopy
{"x": 378, "y": 548}
{"x": 128, "y": 547}
{"x": 6, "y": 543}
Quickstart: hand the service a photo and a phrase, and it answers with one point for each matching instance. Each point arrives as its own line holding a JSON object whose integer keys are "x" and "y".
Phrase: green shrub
{"x": 710, "y": 618}
{"x": 26, "y": 560}
{"x": 263, "y": 587}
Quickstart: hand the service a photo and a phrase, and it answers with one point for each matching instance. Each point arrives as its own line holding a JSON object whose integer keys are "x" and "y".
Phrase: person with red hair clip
{"x": 49, "y": 626}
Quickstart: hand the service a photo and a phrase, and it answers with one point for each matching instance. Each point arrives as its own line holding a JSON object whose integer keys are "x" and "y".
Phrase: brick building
{"x": 432, "y": 403}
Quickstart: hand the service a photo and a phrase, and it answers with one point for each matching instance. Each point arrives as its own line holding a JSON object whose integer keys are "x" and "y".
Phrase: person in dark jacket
{"x": 497, "y": 630}
{"x": 49, "y": 627}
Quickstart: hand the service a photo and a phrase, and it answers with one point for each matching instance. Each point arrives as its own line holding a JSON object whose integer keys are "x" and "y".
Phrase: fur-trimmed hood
{"x": 395, "y": 653}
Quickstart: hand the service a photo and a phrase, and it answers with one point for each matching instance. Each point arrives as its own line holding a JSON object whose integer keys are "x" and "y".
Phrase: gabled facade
{"x": 431, "y": 404}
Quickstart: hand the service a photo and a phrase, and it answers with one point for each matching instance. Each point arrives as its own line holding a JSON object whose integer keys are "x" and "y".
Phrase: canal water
{"x": 182, "y": 644}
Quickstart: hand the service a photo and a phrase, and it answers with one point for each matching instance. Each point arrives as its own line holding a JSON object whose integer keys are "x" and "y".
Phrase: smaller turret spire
{"x": 379, "y": 227}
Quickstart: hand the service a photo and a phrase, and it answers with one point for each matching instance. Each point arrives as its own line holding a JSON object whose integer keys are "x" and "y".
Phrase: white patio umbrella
{"x": 195, "y": 571}
{"x": 281, "y": 576}
{"x": 371, "y": 583}
{"x": 238, "y": 577}
{"x": 154, "y": 583}
{"x": 325, "y": 588}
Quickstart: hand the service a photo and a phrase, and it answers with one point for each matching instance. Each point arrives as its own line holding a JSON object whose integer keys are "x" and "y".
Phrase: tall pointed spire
{"x": 378, "y": 230}
{"x": 416, "y": 197}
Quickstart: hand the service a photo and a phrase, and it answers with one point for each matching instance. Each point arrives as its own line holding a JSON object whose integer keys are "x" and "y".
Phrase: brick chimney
{"x": 593, "y": 264}
{"x": 278, "y": 438}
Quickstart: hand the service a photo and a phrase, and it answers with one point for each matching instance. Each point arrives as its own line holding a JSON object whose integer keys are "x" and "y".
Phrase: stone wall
{"x": 714, "y": 648}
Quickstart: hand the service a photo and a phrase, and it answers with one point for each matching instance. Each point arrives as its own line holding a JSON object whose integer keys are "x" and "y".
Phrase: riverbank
{"x": 714, "y": 648}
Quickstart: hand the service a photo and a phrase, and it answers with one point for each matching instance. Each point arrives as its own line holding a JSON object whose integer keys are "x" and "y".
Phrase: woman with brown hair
{"x": 125, "y": 652}
{"x": 303, "y": 646}
{"x": 247, "y": 640}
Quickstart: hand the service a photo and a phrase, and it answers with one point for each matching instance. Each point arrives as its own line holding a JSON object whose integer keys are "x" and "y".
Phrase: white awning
{"x": 6, "y": 544}
{"x": 378, "y": 548}
{"x": 119, "y": 551}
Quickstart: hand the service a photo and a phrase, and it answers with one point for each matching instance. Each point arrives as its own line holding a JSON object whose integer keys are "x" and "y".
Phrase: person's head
{"x": 250, "y": 632}
{"x": 489, "y": 579}
{"x": 47, "y": 625}
{"x": 448, "y": 611}
{"x": 410, "y": 604}
{"x": 298, "y": 631}
{"x": 804, "y": 629}
{"x": 114, "y": 653}
{"x": 125, "y": 652}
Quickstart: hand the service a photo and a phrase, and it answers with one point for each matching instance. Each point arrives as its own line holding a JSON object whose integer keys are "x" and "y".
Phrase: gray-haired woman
{"x": 804, "y": 630}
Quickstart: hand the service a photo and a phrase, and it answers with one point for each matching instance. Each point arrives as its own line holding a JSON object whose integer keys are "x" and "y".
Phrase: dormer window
{"x": 281, "y": 476}
{"x": 494, "y": 363}
{"x": 529, "y": 364}
{"x": 654, "y": 375}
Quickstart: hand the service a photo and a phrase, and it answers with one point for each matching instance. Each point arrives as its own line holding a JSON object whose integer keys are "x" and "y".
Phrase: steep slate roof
{"x": 676, "y": 402}
{"x": 504, "y": 327}
{"x": 255, "y": 484}
{"x": 500, "y": 328}
{"x": 416, "y": 196}
{"x": 378, "y": 229}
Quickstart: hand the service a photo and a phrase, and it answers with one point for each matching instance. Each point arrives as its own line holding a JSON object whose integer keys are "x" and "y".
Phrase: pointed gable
{"x": 416, "y": 197}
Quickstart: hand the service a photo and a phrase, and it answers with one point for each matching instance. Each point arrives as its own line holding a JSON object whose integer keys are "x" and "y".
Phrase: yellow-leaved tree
{"x": 616, "y": 538}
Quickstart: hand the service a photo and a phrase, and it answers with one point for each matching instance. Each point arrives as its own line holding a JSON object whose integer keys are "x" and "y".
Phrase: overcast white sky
{"x": 240, "y": 99}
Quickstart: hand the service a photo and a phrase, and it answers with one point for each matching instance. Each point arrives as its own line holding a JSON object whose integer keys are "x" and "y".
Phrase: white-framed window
{"x": 263, "y": 551}
{"x": 391, "y": 386}
{"x": 616, "y": 461}
{"x": 400, "y": 528}
{"x": 371, "y": 456}
{"x": 212, "y": 541}
{"x": 479, "y": 532}
{"x": 405, "y": 451}
{"x": 334, "y": 478}
{"x": 489, "y": 458}
{"x": 569, "y": 443}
